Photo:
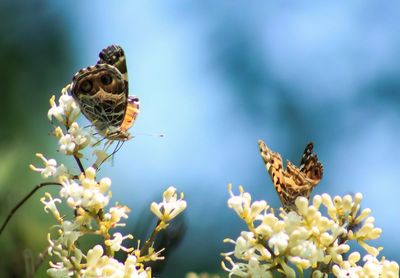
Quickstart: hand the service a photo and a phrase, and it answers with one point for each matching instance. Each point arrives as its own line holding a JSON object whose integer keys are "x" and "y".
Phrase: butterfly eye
{"x": 86, "y": 86}
{"x": 106, "y": 79}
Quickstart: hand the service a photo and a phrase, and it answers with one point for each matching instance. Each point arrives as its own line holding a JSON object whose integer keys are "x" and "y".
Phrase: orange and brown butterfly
{"x": 292, "y": 182}
{"x": 102, "y": 93}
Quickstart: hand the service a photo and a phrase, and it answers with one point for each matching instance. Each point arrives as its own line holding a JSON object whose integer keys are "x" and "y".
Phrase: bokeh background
{"x": 214, "y": 76}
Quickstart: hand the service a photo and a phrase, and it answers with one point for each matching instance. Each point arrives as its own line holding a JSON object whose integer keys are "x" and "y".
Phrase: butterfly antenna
{"x": 149, "y": 134}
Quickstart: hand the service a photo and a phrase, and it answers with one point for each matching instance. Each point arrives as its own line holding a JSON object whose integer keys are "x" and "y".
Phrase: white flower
{"x": 99, "y": 265}
{"x": 104, "y": 184}
{"x": 50, "y": 168}
{"x": 81, "y": 137}
{"x": 302, "y": 205}
{"x": 244, "y": 245}
{"x": 115, "y": 214}
{"x": 115, "y": 244}
{"x": 270, "y": 224}
{"x": 390, "y": 269}
{"x": 170, "y": 207}
{"x": 71, "y": 191}
{"x": 349, "y": 271}
{"x": 76, "y": 139}
{"x": 242, "y": 205}
{"x": 56, "y": 111}
{"x": 70, "y": 233}
{"x": 67, "y": 144}
{"x": 278, "y": 242}
{"x": 240, "y": 269}
{"x": 292, "y": 221}
{"x": 51, "y": 205}
{"x": 94, "y": 255}
{"x": 67, "y": 110}
{"x": 306, "y": 254}
{"x": 63, "y": 246}
{"x": 365, "y": 213}
{"x": 94, "y": 259}
{"x": 256, "y": 269}
{"x": 131, "y": 270}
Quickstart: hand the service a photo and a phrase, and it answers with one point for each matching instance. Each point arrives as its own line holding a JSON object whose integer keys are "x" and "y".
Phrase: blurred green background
{"x": 214, "y": 77}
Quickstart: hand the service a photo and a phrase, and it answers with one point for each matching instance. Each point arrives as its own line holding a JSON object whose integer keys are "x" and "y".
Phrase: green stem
{"x": 23, "y": 201}
{"x": 150, "y": 240}
{"x": 78, "y": 161}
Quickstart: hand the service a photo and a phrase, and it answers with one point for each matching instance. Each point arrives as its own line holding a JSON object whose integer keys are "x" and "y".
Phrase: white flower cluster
{"x": 304, "y": 239}
{"x": 89, "y": 198}
{"x": 76, "y": 139}
{"x": 371, "y": 268}
{"x": 99, "y": 265}
{"x": 88, "y": 193}
{"x": 66, "y": 113}
{"x": 71, "y": 260}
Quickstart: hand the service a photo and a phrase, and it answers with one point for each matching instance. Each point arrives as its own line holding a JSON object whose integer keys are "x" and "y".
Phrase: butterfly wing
{"x": 115, "y": 55}
{"x": 131, "y": 113}
{"x": 296, "y": 184}
{"x": 274, "y": 166}
{"x": 310, "y": 165}
{"x": 102, "y": 94}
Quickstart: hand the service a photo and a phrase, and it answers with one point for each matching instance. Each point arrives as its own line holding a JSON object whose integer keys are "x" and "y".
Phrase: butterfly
{"x": 292, "y": 182}
{"x": 102, "y": 94}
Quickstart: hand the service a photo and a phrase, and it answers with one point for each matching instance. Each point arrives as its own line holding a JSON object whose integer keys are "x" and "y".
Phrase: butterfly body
{"x": 292, "y": 182}
{"x": 102, "y": 93}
